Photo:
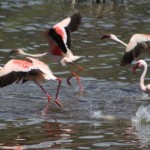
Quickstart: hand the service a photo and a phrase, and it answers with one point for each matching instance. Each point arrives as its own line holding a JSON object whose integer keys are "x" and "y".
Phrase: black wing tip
{"x": 76, "y": 14}
{"x": 131, "y": 55}
{"x": 75, "y": 21}
{"x": 127, "y": 59}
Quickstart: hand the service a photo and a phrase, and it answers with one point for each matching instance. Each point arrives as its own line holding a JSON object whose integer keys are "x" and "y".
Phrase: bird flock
{"x": 30, "y": 68}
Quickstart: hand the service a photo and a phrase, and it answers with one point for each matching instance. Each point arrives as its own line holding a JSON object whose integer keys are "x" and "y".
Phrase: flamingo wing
{"x": 72, "y": 23}
{"x": 43, "y": 68}
{"x": 16, "y": 71}
{"x": 75, "y": 21}
{"x": 138, "y": 44}
{"x": 58, "y": 39}
{"x": 60, "y": 33}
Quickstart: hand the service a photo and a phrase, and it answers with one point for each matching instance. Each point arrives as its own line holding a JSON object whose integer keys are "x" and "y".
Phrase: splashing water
{"x": 145, "y": 96}
{"x": 100, "y": 115}
{"x": 141, "y": 123}
{"x": 142, "y": 115}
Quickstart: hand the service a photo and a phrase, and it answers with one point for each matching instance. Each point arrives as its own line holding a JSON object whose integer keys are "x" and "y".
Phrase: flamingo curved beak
{"x": 13, "y": 51}
{"x": 105, "y": 36}
{"x": 135, "y": 67}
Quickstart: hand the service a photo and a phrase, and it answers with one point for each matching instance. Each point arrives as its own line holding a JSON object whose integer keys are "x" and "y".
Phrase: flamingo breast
{"x": 56, "y": 51}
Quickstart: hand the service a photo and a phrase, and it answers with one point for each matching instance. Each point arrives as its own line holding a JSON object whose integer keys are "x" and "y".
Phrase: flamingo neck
{"x": 119, "y": 41}
{"x": 142, "y": 85}
{"x": 34, "y": 55}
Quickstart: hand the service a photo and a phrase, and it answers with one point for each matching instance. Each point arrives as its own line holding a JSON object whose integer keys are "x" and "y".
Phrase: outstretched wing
{"x": 128, "y": 57}
{"x": 43, "y": 68}
{"x": 72, "y": 23}
{"x": 16, "y": 77}
{"x": 58, "y": 39}
{"x": 75, "y": 22}
{"x": 60, "y": 33}
{"x": 139, "y": 43}
{"x": 16, "y": 71}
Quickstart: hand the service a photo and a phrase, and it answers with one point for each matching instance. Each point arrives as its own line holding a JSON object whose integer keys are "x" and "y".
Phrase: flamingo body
{"x": 138, "y": 43}
{"x": 20, "y": 71}
{"x": 60, "y": 35}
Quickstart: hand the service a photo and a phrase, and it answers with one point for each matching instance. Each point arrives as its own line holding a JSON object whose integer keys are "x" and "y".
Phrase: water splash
{"x": 100, "y": 115}
{"x": 141, "y": 124}
{"x": 145, "y": 96}
{"x": 142, "y": 115}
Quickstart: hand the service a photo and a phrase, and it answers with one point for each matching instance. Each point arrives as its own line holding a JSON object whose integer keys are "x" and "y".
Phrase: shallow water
{"x": 113, "y": 113}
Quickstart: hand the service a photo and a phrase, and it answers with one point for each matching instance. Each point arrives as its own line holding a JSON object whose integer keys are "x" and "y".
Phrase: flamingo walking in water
{"x": 142, "y": 64}
{"x": 59, "y": 43}
{"x": 138, "y": 43}
{"x": 20, "y": 71}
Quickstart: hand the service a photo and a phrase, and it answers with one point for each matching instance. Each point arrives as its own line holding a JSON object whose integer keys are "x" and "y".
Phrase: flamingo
{"x": 142, "y": 64}
{"x": 59, "y": 43}
{"x": 138, "y": 43}
{"x": 20, "y": 71}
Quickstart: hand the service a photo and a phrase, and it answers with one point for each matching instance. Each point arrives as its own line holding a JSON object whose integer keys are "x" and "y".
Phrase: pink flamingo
{"x": 16, "y": 71}
{"x": 142, "y": 64}
{"x": 138, "y": 43}
{"x": 59, "y": 43}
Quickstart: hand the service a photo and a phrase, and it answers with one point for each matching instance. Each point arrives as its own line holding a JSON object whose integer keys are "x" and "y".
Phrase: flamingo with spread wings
{"x": 20, "y": 71}
{"x": 138, "y": 43}
{"x": 59, "y": 44}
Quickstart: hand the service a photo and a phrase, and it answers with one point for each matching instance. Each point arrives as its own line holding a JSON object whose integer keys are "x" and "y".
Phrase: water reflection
{"x": 57, "y": 135}
{"x": 53, "y": 134}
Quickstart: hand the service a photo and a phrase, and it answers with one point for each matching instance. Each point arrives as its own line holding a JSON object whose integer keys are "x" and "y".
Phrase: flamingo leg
{"x": 56, "y": 99}
{"x": 48, "y": 97}
{"x": 74, "y": 74}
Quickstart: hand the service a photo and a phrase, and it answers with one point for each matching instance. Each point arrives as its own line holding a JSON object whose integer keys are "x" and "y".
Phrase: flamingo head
{"x": 139, "y": 64}
{"x": 109, "y": 36}
{"x": 106, "y": 36}
{"x": 16, "y": 51}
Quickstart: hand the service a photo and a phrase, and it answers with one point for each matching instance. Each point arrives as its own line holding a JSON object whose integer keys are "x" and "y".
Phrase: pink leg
{"x": 74, "y": 74}
{"x": 80, "y": 69}
{"x": 78, "y": 80}
{"x": 56, "y": 99}
{"x": 48, "y": 97}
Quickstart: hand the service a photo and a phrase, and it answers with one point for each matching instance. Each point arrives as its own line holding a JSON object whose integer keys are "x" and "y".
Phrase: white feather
{"x": 12, "y": 67}
{"x": 63, "y": 23}
{"x": 135, "y": 39}
{"x": 44, "y": 68}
